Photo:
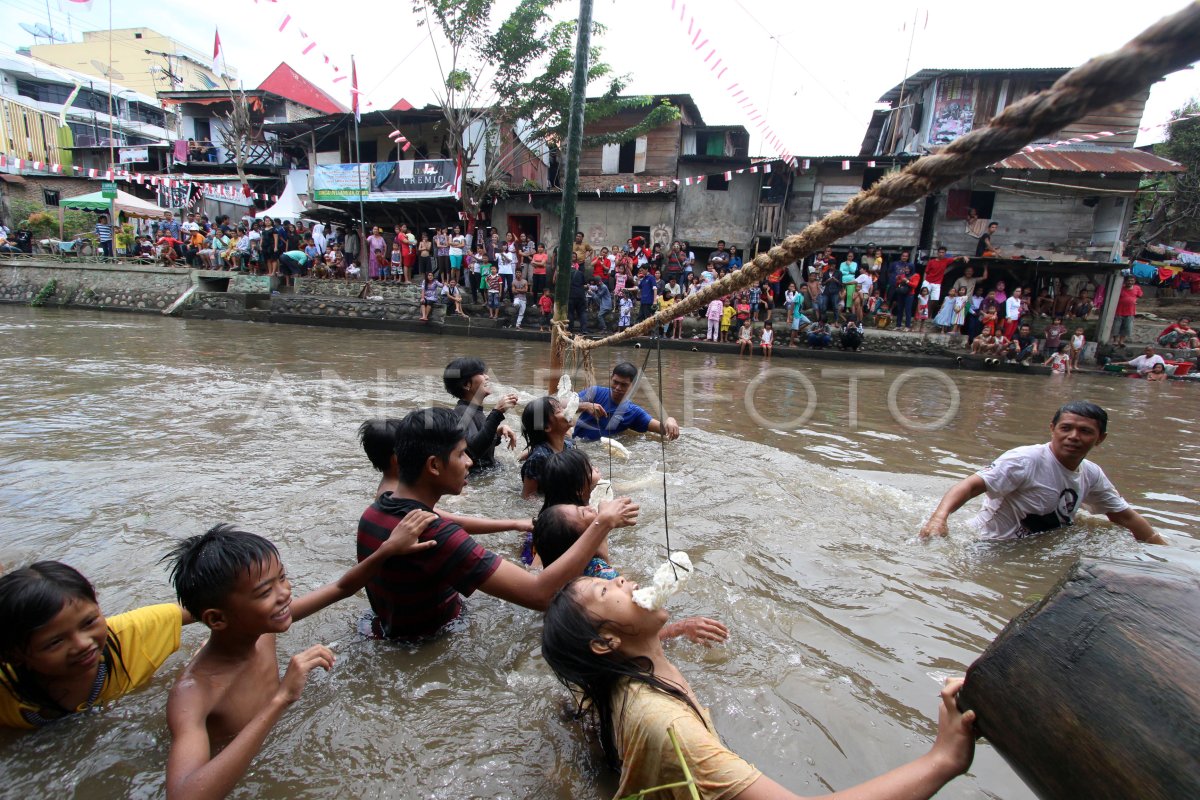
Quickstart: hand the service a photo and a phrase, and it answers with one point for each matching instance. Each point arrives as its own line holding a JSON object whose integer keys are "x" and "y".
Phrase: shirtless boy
{"x": 230, "y": 696}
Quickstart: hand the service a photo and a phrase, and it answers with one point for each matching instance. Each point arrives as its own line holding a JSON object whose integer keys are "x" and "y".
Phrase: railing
{"x": 769, "y": 220}
{"x": 28, "y": 133}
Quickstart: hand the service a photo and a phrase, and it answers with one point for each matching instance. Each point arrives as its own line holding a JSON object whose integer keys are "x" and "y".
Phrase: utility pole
{"x": 566, "y": 239}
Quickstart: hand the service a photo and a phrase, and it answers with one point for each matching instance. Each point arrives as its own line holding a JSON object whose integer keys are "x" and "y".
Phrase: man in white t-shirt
{"x": 1145, "y": 362}
{"x": 1038, "y": 488}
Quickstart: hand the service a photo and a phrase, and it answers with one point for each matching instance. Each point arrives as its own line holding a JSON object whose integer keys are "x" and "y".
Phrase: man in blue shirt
{"x": 606, "y": 412}
{"x": 647, "y": 289}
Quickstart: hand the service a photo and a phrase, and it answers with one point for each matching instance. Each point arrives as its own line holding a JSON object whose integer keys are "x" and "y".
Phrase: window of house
{"x": 716, "y": 183}
{"x": 872, "y": 176}
{"x": 960, "y": 201}
{"x": 50, "y": 197}
{"x": 626, "y": 155}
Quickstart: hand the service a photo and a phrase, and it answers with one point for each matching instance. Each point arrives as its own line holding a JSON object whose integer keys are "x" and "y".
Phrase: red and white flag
{"x": 74, "y": 6}
{"x": 218, "y": 62}
{"x": 400, "y": 139}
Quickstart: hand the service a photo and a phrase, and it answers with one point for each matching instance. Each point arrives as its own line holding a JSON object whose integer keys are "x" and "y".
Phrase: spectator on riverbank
{"x": 1126, "y": 310}
{"x": 1023, "y": 347}
{"x": 1179, "y": 334}
{"x": 935, "y": 273}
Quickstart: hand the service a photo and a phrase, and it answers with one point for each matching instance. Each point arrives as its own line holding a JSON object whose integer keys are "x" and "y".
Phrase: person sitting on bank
{"x": 1179, "y": 334}
{"x": 598, "y": 403}
{"x": 1038, "y": 488}
{"x": 1143, "y": 363}
{"x": 467, "y": 380}
{"x": 415, "y": 596}
{"x": 608, "y": 651}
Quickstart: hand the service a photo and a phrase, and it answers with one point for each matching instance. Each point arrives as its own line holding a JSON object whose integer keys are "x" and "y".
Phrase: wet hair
{"x": 459, "y": 372}
{"x": 535, "y": 419}
{"x": 568, "y": 632}
{"x": 423, "y": 433}
{"x": 566, "y": 478}
{"x": 378, "y": 440}
{"x": 30, "y": 597}
{"x": 553, "y": 533}
{"x": 204, "y": 568}
{"x": 626, "y": 369}
{"x": 1082, "y": 408}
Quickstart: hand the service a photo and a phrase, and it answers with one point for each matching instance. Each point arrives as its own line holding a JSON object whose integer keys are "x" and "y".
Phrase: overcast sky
{"x": 814, "y": 69}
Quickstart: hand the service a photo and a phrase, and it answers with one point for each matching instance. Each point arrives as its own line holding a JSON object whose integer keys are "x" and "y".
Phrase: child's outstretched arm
{"x": 192, "y": 772}
{"x": 404, "y": 540}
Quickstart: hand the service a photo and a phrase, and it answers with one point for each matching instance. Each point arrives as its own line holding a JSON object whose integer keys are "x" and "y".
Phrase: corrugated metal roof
{"x": 926, "y": 75}
{"x": 1090, "y": 158}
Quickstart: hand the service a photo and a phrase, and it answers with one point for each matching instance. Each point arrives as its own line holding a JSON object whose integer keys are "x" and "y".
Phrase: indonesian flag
{"x": 74, "y": 6}
{"x": 218, "y": 62}
{"x": 354, "y": 91}
{"x": 845, "y": 165}
{"x": 729, "y": 175}
{"x": 400, "y": 139}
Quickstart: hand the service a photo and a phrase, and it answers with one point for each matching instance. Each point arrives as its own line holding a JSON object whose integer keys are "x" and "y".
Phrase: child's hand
{"x": 298, "y": 668}
{"x": 508, "y": 433}
{"x": 621, "y": 512}
{"x": 405, "y": 537}
{"x": 699, "y": 630}
{"x": 506, "y": 402}
{"x": 954, "y": 747}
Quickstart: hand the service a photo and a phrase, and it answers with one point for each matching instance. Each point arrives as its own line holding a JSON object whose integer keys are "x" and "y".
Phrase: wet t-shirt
{"x": 1029, "y": 492}
{"x": 642, "y": 717}
{"x": 415, "y": 595}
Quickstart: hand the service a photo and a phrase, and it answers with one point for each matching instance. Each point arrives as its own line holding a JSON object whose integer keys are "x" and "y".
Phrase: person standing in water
{"x": 1038, "y": 488}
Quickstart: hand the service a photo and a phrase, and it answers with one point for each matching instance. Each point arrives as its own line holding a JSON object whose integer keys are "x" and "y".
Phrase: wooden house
{"x": 1068, "y": 201}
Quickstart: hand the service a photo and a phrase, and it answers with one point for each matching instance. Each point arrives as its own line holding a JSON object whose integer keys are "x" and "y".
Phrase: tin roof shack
{"x": 1069, "y": 198}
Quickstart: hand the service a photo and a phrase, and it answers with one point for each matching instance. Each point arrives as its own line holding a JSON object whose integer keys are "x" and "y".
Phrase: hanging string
{"x": 662, "y": 438}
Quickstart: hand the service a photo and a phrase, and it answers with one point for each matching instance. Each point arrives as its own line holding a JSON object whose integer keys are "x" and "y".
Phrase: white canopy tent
{"x": 289, "y": 206}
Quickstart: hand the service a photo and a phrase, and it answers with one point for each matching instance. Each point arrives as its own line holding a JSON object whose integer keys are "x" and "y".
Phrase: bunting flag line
{"x": 698, "y": 43}
{"x": 398, "y": 137}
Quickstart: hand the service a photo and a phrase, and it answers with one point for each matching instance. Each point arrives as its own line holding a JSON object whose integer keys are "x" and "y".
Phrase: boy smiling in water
{"x": 230, "y": 696}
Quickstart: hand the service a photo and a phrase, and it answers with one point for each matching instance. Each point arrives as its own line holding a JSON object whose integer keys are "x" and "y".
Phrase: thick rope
{"x": 1170, "y": 44}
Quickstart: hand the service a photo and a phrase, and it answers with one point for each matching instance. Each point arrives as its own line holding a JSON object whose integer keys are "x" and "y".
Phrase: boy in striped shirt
{"x": 416, "y": 595}
{"x": 104, "y": 233}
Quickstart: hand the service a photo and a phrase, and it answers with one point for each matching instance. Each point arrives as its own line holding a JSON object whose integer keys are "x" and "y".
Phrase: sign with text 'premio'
{"x": 389, "y": 180}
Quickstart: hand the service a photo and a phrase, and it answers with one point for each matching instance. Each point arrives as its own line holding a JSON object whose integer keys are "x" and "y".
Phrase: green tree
{"x": 513, "y": 78}
{"x": 1168, "y": 208}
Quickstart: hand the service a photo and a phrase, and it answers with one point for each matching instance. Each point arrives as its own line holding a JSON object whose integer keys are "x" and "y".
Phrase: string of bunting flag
{"x": 700, "y": 44}
{"x": 1089, "y": 137}
{"x": 165, "y": 181}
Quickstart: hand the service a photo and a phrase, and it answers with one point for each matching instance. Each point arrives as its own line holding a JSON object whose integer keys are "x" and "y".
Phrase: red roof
{"x": 286, "y": 82}
{"x": 1090, "y": 158}
{"x": 402, "y": 105}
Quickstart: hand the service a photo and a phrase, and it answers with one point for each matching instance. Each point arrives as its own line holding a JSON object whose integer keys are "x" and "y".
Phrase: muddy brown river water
{"x": 800, "y": 508}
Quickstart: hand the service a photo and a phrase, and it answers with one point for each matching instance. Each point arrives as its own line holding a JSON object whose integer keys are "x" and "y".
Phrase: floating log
{"x": 1094, "y": 692}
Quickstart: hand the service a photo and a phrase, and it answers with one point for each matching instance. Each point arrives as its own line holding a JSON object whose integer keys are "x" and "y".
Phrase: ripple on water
{"x": 114, "y": 445}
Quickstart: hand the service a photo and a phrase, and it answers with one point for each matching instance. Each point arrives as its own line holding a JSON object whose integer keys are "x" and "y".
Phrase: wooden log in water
{"x": 1094, "y": 692}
